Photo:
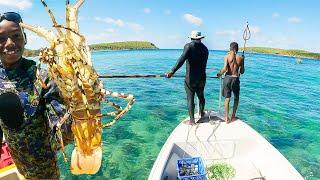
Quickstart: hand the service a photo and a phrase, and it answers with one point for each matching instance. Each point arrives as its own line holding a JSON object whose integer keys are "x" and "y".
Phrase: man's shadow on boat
{"x": 210, "y": 119}
{"x": 213, "y": 120}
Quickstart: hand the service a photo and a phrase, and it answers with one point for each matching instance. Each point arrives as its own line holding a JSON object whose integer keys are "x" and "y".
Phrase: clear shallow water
{"x": 279, "y": 99}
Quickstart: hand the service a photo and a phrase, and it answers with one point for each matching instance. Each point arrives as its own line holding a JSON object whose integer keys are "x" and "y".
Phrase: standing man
{"x": 196, "y": 55}
{"x": 27, "y": 110}
{"x": 233, "y": 67}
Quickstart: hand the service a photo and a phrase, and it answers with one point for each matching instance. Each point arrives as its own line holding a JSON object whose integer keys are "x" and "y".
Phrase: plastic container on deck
{"x": 6, "y": 158}
{"x": 191, "y": 169}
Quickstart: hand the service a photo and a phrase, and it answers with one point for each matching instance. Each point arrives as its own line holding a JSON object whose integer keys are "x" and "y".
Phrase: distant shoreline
{"x": 283, "y": 52}
{"x": 144, "y": 45}
{"x": 126, "y": 45}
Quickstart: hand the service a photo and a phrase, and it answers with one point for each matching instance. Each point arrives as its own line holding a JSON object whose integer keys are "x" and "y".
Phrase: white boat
{"x": 8, "y": 170}
{"x": 10, "y": 173}
{"x": 236, "y": 144}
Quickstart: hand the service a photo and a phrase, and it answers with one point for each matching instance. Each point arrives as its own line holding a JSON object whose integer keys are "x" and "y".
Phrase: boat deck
{"x": 235, "y": 143}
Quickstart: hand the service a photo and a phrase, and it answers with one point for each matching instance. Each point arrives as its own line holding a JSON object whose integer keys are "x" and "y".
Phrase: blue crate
{"x": 187, "y": 165}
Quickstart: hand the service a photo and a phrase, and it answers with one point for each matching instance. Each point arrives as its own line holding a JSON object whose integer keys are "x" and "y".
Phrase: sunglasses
{"x": 14, "y": 17}
{"x": 11, "y": 16}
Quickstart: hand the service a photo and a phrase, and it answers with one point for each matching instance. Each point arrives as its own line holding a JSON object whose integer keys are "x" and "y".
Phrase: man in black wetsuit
{"x": 233, "y": 67}
{"x": 196, "y": 55}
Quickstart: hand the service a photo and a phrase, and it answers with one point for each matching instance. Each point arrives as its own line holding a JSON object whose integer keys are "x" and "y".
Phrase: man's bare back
{"x": 232, "y": 64}
{"x": 233, "y": 67}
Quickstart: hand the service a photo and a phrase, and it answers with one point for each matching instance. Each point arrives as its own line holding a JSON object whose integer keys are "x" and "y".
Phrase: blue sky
{"x": 289, "y": 24}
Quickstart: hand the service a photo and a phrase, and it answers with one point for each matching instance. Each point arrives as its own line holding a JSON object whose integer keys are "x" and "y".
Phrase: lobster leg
{"x": 71, "y": 14}
{"x": 52, "y": 17}
{"x": 73, "y": 25}
{"x": 120, "y": 112}
{"x": 58, "y": 130}
{"x": 47, "y": 34}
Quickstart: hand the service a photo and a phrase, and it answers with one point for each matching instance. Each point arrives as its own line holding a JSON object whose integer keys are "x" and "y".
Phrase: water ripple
{"x": 279, "y": 98}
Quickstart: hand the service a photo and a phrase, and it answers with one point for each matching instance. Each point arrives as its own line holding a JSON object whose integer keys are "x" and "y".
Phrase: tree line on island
{"x": 284, "y": 52}
{"x": 130, "y": 45}
{"x": 106, "y": 46}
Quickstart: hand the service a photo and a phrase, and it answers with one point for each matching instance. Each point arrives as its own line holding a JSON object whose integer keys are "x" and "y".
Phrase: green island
{"x": 31, "y": 53}
{"x": 123, "y": 45}
{"x": 106, "y": 46}
{"x": 284, "y": 52}
{"x": 148, "y": 45}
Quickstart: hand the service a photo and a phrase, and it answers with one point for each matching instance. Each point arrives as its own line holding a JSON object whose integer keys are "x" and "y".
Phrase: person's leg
{"x": 226, "y": 106}
{"x": 226, "y": 93}
{"x": 234, "y": 110}
{"x": 202, "y": 101}
{"x": 190, "y": 100}
{"x": 236, "y": 92}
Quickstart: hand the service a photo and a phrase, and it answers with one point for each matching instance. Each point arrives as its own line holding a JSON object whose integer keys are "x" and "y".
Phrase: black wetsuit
{"x": 196, "y": 55}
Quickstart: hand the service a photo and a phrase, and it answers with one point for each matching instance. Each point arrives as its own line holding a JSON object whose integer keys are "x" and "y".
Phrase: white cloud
{"x": 109, "y": 20}
{"x": 82, "y": 18}
{"x": 101, "y": 37}
{"x": 232, "y": 32}
{"x": 120, "y": 23}
{"x": 294, "y": 20}
{"x": 21, "y": 4}
{"x": 167, "y": 12}
{"x": 147, "y": 10}
{"x": 135, "y": 26}
{"x": 174, "y": 41}
{"x": 116, "y": 37}
{"x": 110, "y": 30}
{"x": 230, "y": 35}
{"x": 192, "y": 19}
{"x": 254, "y": 29}
{"x": 275, "y": 15}
{"x": 227, "y": 33}
{"x": 277, "y": 42}
{"x": 35, "y": 42}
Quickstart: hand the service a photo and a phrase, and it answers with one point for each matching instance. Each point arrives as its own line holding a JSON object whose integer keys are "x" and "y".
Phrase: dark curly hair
{"x": 234, "y": 46}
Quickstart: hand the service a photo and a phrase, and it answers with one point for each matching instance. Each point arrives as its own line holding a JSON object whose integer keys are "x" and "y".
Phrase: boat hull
{"x": 215, "y": 141}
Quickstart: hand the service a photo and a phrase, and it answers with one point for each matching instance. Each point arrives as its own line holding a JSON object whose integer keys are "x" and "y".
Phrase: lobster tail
{"x": 86, "y": 164}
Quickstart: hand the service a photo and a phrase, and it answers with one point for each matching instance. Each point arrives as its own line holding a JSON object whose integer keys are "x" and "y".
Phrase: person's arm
{"x": 207, "y": 56}
{"x": 242, "y": 65}
{"x": 224, "y": 69}
{"x": 180, "y": 61}
{"x": 55, "y": 110}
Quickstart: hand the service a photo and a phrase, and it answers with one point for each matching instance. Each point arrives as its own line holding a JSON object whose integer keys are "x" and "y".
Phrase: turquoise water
{"x": 279, "y": 99}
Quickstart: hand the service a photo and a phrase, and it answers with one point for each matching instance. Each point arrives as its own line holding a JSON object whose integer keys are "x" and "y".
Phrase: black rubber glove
{"x": 11, "y": 110}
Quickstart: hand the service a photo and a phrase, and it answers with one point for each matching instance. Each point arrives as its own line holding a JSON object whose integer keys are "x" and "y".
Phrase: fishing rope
{"x": 246, "y": 36}
{"x": 144, "y": 76}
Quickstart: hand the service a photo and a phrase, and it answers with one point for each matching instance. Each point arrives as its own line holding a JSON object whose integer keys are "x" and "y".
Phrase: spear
{"x": 246, "y": 36}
